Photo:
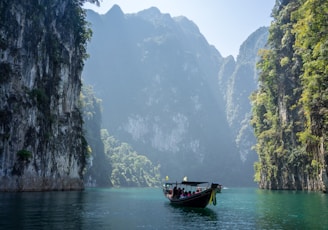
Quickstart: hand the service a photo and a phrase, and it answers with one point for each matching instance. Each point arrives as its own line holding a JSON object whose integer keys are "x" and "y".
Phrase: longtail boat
{"x": 191, "y": 193}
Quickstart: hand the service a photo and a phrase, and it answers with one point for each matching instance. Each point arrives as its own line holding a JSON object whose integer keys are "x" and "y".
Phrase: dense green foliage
{"x": 311, "y": 43}
{"x": 129, "y": 168}
{"x": 290, "y": 106}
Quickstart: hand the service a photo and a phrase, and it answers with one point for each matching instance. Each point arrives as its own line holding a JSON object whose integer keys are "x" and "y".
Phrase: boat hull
{"x": 199, "y": 200}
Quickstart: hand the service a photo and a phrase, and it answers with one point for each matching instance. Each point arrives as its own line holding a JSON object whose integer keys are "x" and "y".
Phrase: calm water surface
{"x": 146, "y": 208}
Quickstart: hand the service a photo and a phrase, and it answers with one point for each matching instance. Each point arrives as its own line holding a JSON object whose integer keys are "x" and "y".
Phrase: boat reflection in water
{"x": 191, "y": 193}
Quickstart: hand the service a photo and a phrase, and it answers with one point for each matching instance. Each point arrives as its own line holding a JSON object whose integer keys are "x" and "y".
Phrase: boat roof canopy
{"x": 191, "y": 183}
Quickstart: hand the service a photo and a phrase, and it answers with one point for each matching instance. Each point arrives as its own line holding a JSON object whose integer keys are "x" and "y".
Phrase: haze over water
{"x": 146, "y": 208}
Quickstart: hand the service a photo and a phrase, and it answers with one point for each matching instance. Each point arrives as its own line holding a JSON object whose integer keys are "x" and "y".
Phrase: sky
{"x": 226, "y": 24}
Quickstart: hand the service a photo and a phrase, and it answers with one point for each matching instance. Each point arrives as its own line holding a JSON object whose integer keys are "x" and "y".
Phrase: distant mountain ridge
{"x": 237, "y": 80}
{"x": 164, "y": 92}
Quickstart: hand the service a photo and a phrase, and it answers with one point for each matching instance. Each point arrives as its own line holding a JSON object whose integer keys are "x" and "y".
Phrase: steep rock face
{"x": 41, "y": 141}
{"x": 237, "y": 80}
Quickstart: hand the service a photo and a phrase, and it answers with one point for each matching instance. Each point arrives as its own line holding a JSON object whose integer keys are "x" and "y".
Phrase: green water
{"x": 146, "y": 208}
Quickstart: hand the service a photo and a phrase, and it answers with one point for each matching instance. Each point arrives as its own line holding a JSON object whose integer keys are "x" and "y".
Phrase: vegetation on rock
{"x": 290, "y": 107}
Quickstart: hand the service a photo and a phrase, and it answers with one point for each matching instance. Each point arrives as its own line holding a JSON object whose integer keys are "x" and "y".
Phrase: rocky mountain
{"x": 290, "y": 108}
{"x": 237, "y": 80}
{"x": 42, "y": 46}
{"x": 158, "y": 79}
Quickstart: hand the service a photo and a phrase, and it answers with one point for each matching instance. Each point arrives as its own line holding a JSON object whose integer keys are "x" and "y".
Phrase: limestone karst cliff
{"x": 42, "y": 46}
{"x": 290, "y": 108}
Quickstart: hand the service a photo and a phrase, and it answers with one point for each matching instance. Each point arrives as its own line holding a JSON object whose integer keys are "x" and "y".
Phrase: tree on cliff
{"x": 289, "y": 108}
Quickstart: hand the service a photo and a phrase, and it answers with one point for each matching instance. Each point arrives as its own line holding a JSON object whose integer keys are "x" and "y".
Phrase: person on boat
{"x": 182, "y": 191}
{"x": 175, "y": 192}
{"x": 179, "y": 193}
